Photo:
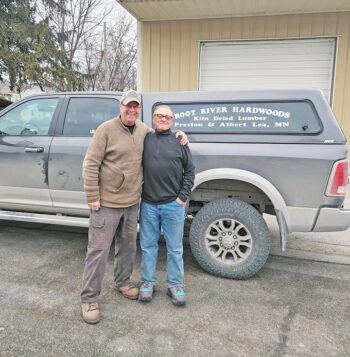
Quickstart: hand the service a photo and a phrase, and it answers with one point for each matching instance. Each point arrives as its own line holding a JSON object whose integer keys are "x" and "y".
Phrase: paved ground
{"x": 331, "y": 247}
{"x": 292, "y": 307}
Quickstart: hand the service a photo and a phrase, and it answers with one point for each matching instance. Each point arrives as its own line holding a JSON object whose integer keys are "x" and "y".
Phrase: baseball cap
{"x": 130, "y": 96}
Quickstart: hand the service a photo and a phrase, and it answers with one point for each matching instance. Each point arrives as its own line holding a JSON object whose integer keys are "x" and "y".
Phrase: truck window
{"x": 287, "y": 117}
{"x": 84, "y": 115}
{"x": 32, "y": 117}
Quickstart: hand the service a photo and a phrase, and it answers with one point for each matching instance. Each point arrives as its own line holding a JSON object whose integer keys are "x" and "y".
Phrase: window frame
{"x": 64, "y": 110}
{"x": 54, "y": 118}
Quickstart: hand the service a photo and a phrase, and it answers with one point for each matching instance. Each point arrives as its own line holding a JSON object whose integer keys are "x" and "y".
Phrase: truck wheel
{"x": 229, "y": 238}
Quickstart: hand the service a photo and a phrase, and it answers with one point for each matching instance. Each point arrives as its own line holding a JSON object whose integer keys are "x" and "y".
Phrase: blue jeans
{"x": 170, "y": 217}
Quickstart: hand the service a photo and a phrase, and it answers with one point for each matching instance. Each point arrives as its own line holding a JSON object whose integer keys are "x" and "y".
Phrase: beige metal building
{"x": 241, "y": 44}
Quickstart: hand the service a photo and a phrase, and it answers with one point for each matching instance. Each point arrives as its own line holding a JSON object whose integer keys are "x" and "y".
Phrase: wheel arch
{"x": 252, "y": 178}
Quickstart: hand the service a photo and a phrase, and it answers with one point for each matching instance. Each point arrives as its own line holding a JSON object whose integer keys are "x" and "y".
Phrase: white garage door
{"x": 271, "y": 64}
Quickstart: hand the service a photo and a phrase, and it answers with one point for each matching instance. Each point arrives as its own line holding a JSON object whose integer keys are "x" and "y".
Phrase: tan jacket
{"x": 112, "y": 168}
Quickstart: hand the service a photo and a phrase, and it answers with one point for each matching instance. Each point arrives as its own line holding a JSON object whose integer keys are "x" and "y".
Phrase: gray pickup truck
{"x": 274, "y": 152}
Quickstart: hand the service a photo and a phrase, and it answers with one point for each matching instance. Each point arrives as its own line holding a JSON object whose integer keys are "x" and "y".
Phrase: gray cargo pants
{"x": 103, "y": 226}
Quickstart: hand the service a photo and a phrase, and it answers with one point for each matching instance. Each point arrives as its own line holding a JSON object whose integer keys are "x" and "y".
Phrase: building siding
{"x": 169, "y": 58}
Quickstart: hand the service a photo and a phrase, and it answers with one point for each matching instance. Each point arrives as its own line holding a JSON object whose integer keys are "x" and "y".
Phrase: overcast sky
{"x": 115, "y": 9}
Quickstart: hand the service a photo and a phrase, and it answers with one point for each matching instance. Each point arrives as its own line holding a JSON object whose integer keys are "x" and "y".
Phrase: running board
{"x": 44, "y": 218}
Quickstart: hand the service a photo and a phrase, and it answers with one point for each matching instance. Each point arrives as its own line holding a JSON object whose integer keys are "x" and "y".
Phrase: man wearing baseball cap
{"x": 112, "y": 175}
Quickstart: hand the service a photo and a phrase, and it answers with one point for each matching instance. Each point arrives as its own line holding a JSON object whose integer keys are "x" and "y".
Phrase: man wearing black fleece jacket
{"x": 168, "y": 178}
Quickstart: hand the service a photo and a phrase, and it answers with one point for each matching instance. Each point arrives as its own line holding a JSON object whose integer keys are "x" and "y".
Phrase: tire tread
{"x": 237, "y": 209}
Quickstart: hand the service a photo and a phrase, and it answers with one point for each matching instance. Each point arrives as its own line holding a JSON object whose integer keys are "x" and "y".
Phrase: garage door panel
{"x": 248, "y": 82}
{"x": 310, "y": 61}
{"x": 275, "y": 51}
{"x": 260, "y": 51}
{"x": 275, "y": 71}
{"x": 295, "y": 59}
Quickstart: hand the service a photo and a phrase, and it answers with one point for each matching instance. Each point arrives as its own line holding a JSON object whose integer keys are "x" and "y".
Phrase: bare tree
{"x": 111, "y": 62}
{"x": 93, "y": 57}
{"x": 73, "y": 22}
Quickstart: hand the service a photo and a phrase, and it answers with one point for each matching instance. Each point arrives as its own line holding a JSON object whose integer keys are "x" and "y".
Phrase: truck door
{"x": 83, "y": 114}
{"x": 25, "y": 138}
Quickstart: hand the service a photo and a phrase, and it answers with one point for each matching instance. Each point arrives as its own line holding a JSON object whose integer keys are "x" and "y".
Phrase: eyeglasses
{"x": 161, "y": 116}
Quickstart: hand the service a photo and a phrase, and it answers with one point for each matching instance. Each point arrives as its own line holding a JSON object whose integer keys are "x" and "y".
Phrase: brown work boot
{"x": 129, "y": 291}
{"x": 90, "y": 312}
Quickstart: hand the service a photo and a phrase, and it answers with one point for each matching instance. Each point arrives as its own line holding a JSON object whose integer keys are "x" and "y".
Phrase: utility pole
{"x": 106, "y": 84}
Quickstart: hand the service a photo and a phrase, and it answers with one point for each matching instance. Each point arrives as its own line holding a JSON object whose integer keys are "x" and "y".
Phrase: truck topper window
{"x": 287, "y": 117}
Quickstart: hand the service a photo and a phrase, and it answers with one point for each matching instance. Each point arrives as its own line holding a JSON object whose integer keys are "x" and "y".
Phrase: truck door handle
{"x": 34, "y": 149}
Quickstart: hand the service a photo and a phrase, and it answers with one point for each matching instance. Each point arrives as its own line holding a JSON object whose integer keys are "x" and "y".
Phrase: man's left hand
{"x": 184, "y": 138}
{"x": 179, "y": 201}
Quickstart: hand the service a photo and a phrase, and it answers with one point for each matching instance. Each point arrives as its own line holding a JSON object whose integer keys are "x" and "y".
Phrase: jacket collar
{"x": 167, "y": 132}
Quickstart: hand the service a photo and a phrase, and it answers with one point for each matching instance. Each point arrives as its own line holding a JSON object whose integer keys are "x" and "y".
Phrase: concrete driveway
{"x": 332, "y": 247}
{"x": 291, "y": 308}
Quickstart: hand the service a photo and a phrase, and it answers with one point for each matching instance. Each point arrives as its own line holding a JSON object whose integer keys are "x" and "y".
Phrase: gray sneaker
{"x": 177, "y": 294}
{"x": 146, "y": 292}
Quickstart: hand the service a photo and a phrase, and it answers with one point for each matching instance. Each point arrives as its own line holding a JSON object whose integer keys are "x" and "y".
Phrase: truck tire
{"x": 229, "y": 238}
